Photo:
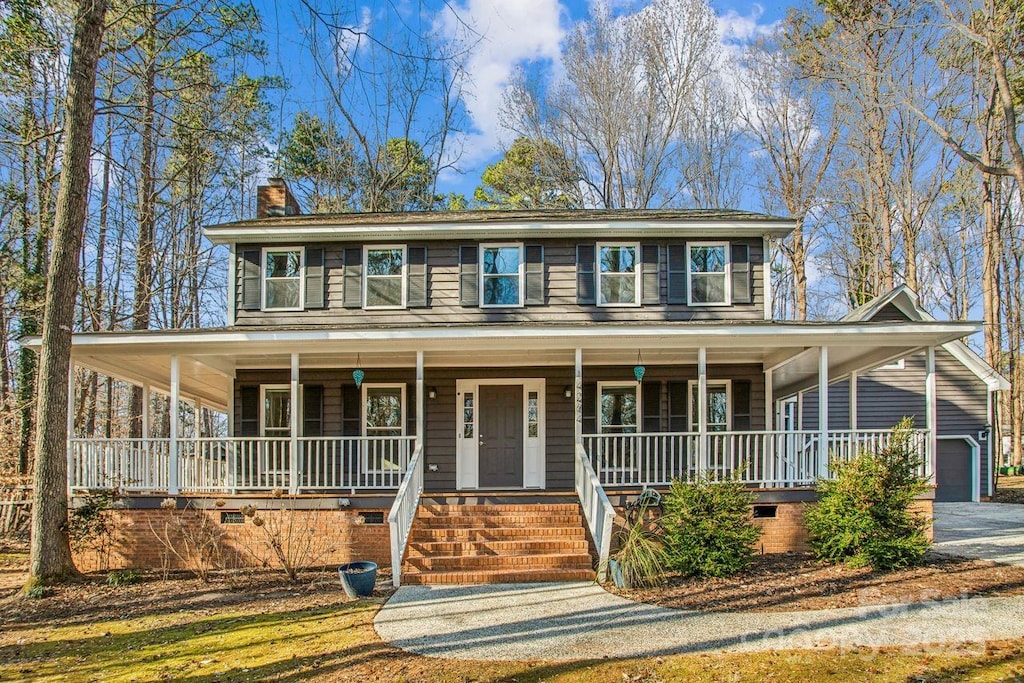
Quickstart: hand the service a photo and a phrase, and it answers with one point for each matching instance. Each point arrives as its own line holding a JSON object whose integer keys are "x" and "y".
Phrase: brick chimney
{"x": 275, "y": 199}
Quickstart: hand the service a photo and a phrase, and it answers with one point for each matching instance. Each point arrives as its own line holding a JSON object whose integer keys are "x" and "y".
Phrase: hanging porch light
{"x": 358, "y": 373}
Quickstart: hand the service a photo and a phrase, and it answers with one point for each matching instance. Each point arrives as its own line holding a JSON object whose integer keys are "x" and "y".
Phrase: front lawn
{"x": 258, "y": 627}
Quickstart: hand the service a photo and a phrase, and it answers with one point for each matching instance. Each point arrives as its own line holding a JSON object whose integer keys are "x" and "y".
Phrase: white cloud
{"x": 501, "y": 36}
{"x": 734, "y": 27}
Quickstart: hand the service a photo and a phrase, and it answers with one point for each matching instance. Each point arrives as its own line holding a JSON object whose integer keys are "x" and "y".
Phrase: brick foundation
{"x": 140, "y": 537}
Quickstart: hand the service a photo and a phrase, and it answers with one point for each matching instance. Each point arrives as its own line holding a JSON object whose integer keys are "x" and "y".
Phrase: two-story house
{"x": 494, "y": 384}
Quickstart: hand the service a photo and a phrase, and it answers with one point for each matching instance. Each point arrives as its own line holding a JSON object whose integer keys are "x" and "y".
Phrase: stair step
{"x": 514, "y": 521}
{"x": 495, "y": 548}
{"x": 476, "y": 534}
{"x": 517, "y": 576}
{"x": 500, "y": 562}
{"x": 430, "y": 509}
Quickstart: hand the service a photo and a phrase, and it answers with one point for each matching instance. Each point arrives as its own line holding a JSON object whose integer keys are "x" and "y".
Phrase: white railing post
{"x": 421, "y": 406}
{"x": 70, "y": 423}
{"x": 403, "y": 512}
{"x": 175, "y": 408}
{"x": 597, "y": 509}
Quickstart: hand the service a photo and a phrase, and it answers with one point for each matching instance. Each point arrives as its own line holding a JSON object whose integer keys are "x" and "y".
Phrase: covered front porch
{"x": 724, "y": 399}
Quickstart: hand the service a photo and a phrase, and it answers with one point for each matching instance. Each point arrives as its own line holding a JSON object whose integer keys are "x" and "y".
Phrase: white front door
{"x": 527, "y": 450}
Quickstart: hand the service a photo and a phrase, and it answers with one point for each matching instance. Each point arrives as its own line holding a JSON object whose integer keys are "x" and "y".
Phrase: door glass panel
{"x": 532, "y": 414}
{"x": 467, "y": 415}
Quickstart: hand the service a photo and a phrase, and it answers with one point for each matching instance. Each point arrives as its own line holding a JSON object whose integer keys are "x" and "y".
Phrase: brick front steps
{"x": 499, "y": 543}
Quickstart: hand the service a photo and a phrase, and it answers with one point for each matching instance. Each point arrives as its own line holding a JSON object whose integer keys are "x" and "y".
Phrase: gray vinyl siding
{"x": 885, "y": 396}
{"x": 560, "y": 285}
{"x": 441, "y": 412}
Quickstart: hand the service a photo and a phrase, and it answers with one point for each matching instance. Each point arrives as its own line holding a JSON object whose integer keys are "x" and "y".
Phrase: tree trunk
{"x": 51, "y": 552}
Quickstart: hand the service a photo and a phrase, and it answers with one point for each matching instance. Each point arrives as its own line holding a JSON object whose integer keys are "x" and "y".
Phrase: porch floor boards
{"x": 453, "y": 543}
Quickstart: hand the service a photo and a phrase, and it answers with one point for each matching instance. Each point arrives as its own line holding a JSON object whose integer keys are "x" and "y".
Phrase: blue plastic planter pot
{"x": 358, "y": 578}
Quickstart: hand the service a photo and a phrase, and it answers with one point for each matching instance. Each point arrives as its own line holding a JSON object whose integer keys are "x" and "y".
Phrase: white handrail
{"x": 403, "y": 512}
{"x": 597, "y": 509}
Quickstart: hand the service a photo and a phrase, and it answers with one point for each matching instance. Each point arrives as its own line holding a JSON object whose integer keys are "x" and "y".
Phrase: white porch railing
{"x": 403, "y": 512}
{"x": 241, "y": 463}
{"x": 768, "y": 459}
{"x": 597, "y": 509}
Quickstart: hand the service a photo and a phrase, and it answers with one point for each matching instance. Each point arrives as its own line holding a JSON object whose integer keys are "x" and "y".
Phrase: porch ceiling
{"x": 208, "y": 358}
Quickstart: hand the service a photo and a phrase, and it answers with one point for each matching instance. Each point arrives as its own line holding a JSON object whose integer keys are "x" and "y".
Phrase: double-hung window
{"x": 384, "y": 416}
{"x": 708, "y": 273}
{"x": 282, "y": 278}
{"x": 618, "y": 277}
{"x": 719, "y": 406}
{"x": 501, "y": 275}
{"x": 385, "y": 277}
{"x": 618, "y": 407}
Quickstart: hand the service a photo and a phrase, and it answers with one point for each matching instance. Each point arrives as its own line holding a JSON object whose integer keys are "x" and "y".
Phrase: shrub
{"x": 863, "y": 514}
{"x": 124, "y": 577}
{"x": 640, "y": 554}
{"x": 708, "y": 527}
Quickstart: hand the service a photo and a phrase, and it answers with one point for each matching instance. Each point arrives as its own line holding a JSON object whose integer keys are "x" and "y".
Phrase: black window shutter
{"x": 652, "y": 406}
{"x": 589, "y": 408}
{"x": 650, "y": 274}
{"x": 353, "y": 294}
{"x": 742, "y": 288}
{"x": 677, "y": 400}
{"x": 677, "y": 273}
{"x": 315, "y": 278}
{"x": 741, "y": 405}
{"x": 251, "y": 280}
{"x": 249, "y": 415}
{"x": 312, "y": 410}
{"x": 469, "y": 285}
{"x": 410, "y": 410}
{"x": 534, "y": 275}
{"x": 585, "y": 283}
{"x": 351, "y": 412}
{"x": 416, "y": 290}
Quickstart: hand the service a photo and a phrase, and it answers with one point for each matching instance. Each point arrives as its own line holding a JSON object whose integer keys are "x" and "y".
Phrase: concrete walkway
{"x": 569, "y": 621}
{"x": 990, "y": 531}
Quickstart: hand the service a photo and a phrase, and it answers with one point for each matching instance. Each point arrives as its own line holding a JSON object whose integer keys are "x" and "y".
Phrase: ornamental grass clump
{"x": 708, "y": 528}
{"x": 863, "y": 515}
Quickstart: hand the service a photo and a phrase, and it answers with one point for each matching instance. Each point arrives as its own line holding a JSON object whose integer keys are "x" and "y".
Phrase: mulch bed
{"x": 791, "y": 582}
{"x": 1009, "y": 490}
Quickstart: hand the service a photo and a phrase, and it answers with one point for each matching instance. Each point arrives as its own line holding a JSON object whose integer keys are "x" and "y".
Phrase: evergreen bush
{"x": 863, "y": 515}
{"x": 708, "y": 528}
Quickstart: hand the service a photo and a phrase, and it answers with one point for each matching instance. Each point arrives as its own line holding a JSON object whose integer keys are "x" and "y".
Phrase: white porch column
{"x": 929, "y": 411}
{"x": 702, "y": 409}
{"x": 823, "y": 411}
{"x": 70, "y": 424}
{"x": 231, "y": 406}
{"x": 293, "y": 426}
{"x": 800, "y": 411}
{"x": 769, "y": 401}
{"x": 197, "y": 412}
{"x": 172, "y": 457}
{"x": 421, "y": 406}
{"x": 577, "y": 398}
{"x": 853, "y": 400}
{"x": 146, "y": 397}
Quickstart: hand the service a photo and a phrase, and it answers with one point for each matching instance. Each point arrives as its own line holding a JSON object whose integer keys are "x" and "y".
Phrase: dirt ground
{"x": 1009, "y": 490}
{"x": 783, "y": 583}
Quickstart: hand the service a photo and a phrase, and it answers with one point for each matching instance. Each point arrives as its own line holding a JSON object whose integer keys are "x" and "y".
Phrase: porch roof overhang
{"x": 208, "y": 359}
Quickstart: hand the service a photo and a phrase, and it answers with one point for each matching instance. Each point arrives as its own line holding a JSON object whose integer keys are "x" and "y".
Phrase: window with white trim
{"x": 618, "y": 407}
{"x": 501, "y": 275}
{"x": 383, "y": 416}
{"x": 708, "y": 273}
{"x": 719, "y": 408}
{"x": 384, "y": 275}
{"x": 618, "y": 276}
{"x": 276, "y": 420}
{"x": 282, "y": 278}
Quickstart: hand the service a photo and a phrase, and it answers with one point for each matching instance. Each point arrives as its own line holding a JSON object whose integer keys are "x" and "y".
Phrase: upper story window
{"x": 282, "y": 279}
{"x": 708, "y": 273}
{"x": 385, "y": 277}
{"x": 618, "y": 277}
{"x": 501, "y": 275}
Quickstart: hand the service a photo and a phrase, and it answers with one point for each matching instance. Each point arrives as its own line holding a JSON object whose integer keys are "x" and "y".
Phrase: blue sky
{"x": 513, "y": 32}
